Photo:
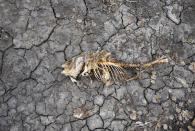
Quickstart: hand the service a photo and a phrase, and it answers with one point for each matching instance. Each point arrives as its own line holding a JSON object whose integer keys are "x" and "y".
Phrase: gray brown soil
{"x": 38, "y": 36}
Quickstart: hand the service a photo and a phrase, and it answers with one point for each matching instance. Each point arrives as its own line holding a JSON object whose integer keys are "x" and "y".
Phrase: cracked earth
{"x": 38, "y": 36}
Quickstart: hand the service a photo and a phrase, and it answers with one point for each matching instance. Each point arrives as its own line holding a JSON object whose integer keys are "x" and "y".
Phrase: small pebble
{"x": 79, "y": 20}
{"x": 133, "y": 115}
{"x": 171, "y": 117}
{"x": 165, "y": 127}
{"x": 174, "y": 98}
{"x": 192, "y": 67}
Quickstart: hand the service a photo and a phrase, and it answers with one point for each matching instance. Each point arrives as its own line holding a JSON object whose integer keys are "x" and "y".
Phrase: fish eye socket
{"x": 68, "y": 62}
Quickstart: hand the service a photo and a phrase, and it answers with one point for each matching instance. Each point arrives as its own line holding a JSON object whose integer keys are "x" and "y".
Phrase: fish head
{"x": 67, "y": 68}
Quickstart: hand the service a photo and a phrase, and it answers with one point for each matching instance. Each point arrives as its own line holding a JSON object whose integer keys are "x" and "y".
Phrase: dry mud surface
{"x": 37, "y": 36}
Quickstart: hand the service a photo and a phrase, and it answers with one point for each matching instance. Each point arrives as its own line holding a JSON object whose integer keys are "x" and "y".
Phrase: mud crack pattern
{"x": 37, "y": 37}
